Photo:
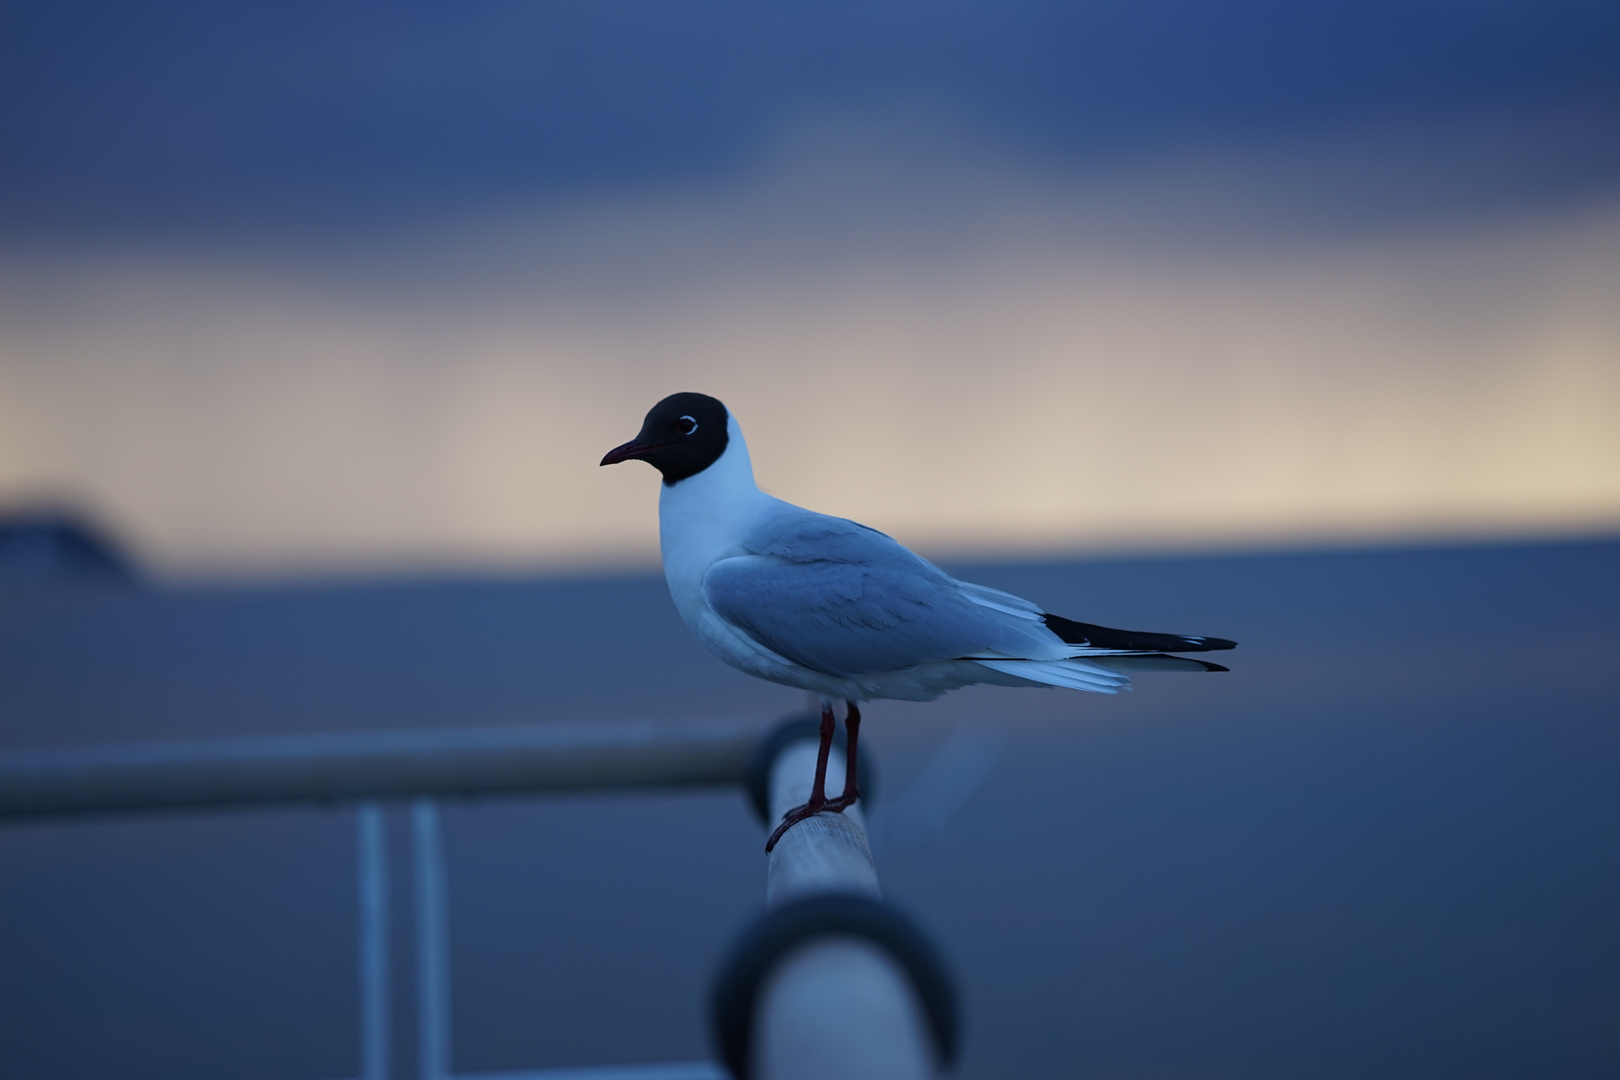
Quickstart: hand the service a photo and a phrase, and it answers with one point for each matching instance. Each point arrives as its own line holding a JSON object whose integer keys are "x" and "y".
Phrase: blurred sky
{"x": 295, "y": 286}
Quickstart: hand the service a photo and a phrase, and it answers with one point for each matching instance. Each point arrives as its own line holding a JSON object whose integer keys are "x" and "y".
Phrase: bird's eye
{"x": 686, "y": 425}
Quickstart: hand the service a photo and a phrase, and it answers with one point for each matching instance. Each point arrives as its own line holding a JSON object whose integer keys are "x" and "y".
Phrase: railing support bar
{"x": 432, "y": 946}
{"x": 373, "y": 889}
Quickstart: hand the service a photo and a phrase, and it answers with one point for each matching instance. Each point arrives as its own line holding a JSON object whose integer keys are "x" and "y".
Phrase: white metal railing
{"x": 432, "y": 947}
{"x": 834, "y": 982}
{"x": 830, "y": 982}
{"x": 373, "y": 892}
{"x": 371, "y": 765}
{"x": 433, "y": 1031}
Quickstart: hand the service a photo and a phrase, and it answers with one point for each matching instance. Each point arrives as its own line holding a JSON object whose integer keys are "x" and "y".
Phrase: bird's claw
{"x": 810, "y": 810}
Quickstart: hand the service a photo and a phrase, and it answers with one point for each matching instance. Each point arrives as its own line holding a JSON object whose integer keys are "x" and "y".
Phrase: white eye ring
{"x": 689, "y": 420}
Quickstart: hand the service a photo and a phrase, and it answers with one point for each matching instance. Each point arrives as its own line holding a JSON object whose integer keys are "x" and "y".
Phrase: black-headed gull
{"x": 833, "y": 607}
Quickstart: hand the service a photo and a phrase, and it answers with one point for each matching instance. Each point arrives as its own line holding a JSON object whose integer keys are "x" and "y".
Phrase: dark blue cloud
{"x": 138, "y": 115}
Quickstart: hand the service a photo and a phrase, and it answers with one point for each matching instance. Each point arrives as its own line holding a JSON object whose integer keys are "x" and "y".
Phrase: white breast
{"x": 701, "y": 520}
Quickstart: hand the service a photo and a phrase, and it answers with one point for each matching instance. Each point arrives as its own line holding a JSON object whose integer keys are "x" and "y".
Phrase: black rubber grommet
{"x": 774, "y": 741}
{"x": 778, "y": 933}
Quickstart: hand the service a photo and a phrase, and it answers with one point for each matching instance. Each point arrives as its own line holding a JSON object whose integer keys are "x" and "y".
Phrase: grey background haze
{"x": 291, "y": 289}
{"x": 330, "y": 309}
{"x": 174, "y": 118}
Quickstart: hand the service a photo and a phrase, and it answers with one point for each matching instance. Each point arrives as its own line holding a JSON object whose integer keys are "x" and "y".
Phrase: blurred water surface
{"x": 1382, "y": 844}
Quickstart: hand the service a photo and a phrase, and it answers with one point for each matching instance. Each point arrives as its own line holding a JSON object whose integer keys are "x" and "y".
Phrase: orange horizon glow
{"x": 1027, "y": 383}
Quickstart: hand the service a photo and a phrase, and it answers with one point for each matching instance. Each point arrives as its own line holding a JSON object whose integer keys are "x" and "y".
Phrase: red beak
{"x": 630, "y": 451}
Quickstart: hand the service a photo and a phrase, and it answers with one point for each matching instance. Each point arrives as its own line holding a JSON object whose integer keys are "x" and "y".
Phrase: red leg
{"x": 852, "y": 723}
{"x": 818, "y": 791}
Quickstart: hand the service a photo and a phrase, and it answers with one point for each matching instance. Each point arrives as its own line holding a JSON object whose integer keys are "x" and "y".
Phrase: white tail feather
{"x": 1004, "y": 602}
{"x": 1074, "y": 674}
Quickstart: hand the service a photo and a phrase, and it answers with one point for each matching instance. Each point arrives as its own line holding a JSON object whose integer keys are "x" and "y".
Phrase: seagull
{"x": 831, "y": 606}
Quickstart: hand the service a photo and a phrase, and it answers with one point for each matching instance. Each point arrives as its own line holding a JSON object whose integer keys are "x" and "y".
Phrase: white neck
{"x": 701, "y": 515}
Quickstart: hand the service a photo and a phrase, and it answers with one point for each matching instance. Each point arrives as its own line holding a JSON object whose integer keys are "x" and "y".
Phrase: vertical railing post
{"x": 432, "y": 946}
{"x": 373, "y": 890}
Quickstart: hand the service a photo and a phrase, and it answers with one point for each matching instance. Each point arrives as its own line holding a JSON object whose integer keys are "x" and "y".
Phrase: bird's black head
{"x": 682, "y": 435}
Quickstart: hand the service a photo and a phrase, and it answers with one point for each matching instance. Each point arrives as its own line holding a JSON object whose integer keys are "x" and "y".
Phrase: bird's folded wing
{"x": 847, "y": 618}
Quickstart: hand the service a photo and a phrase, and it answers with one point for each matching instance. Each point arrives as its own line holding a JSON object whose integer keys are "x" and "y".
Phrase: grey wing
{"x": 846, "y": 618}
{"x": 803, "y": 536}
{"x": 837, "y": 597}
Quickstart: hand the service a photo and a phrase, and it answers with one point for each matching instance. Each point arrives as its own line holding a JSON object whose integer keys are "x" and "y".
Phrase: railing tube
{"x": 831, "y": 981}
{"x": 520, "y": 758}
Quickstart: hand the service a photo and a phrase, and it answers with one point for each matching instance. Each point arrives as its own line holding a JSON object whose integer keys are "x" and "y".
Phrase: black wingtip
{"x": 1103, "y": 637}
{"x": 1209, "y": 666}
